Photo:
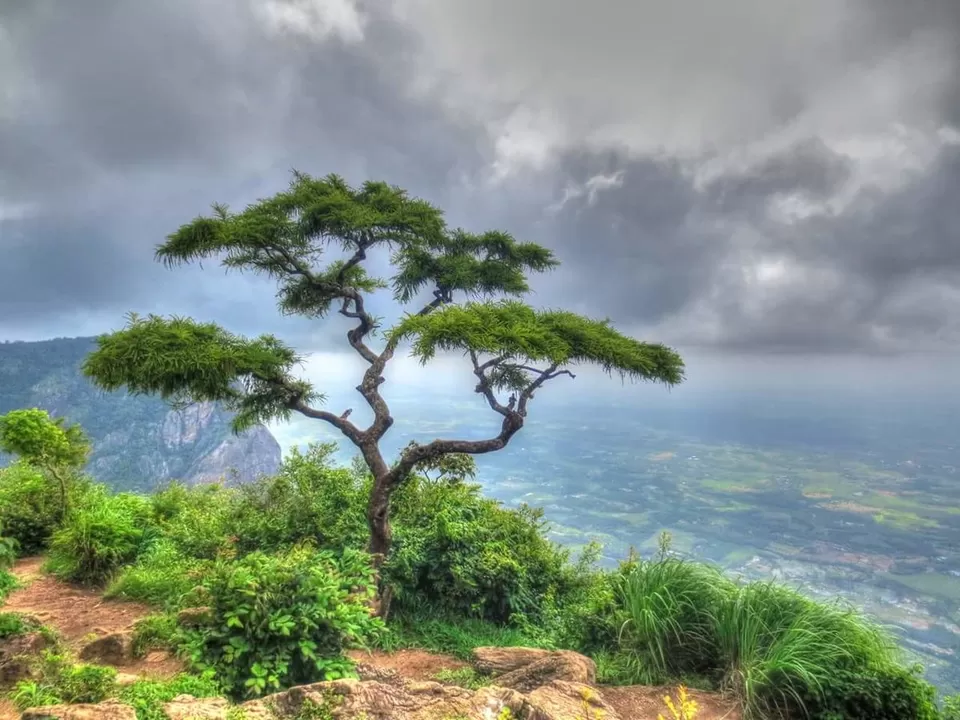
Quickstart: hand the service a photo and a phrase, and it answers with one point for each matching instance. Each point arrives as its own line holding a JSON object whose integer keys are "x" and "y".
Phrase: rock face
{"x": 17, "y": 654}
{"x": 114, "y": 649}
{"x": 561, "y": 665}
{"x": 138, "y": 441}
{"x": 554, "y": 693}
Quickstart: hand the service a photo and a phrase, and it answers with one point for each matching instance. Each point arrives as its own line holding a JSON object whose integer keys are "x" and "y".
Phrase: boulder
{"x": 113, "y": 649}
{"x": 561, "y": 699}
{"x": 109, "y": 710}
{"x": 387, "y": 676}
{"x": 346, "y": 699}
{"x": 498, "y": 661}
{"x": 17, "y": 655}
{"x": 560, "y": 665}
{"x": 187, "y": 707}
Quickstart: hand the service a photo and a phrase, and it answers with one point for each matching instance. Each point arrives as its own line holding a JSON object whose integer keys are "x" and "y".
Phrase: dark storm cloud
{"x": 127, "y": 119}
{"x": 714, "y": 266}
{"x": 777, "y": 177}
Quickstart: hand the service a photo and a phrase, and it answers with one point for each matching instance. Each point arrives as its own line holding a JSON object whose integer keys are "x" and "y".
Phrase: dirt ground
{"x": 80, "y": 615}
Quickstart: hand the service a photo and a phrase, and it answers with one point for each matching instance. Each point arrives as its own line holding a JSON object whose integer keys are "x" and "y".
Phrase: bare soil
{"x": 80, "y": 615}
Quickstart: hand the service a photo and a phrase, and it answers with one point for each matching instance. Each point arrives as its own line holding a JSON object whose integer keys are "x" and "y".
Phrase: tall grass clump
{"x": 668, "y": 609}
{"x": 99, "y": 536}
{"x": 162, "y": 576}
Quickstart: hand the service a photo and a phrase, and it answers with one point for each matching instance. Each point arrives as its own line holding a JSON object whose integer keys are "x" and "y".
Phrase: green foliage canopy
{"x": 35, "y": 437}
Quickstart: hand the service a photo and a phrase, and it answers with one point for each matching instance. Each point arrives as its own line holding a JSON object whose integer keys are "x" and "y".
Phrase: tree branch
{"x": 483, "y": 384}
{"x": 338, "y": 421}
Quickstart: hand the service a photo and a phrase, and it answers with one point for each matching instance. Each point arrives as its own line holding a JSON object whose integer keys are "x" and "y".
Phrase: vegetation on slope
{"x": 281, "y": 569}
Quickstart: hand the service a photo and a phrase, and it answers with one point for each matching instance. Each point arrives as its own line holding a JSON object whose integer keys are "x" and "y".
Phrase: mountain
{"x": 138, "y": 441}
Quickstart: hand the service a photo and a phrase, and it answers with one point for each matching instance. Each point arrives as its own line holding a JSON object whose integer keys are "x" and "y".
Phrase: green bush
{"x": 195, "y": 519}
{"x": 886, "y": 693}
{"x": 99, "y": 536}
{"x": 951, "y": 707}
{"x": 11, "y": 624}
{"x": 307, "y": 500}
{"x": 29, "y": 507}
{"x": 466, "y": 555}
{"x": 162, "y": 576}
{"x": 8, "y": 550}
{"x": 284, "y": 619}
{"x": 147, "y": 697}
{"x": 8, "y": 583}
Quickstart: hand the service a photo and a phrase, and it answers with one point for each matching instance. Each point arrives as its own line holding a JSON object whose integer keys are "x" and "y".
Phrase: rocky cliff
{"x": 138, "y": 442}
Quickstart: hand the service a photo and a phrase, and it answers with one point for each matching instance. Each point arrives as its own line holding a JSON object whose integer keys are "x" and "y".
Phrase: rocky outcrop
{"x": 554, "y": 689}
{"x": 17, "y": 655}
{"x": 138, "y": 441}
{"x": 495, "y": 661}
{"x": 114, "y": 649}
{"x": 562, "y": 665}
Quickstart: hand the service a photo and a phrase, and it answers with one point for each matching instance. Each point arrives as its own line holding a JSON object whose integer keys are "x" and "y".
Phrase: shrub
{"x": 466, "y": 555}
{"x": 99, "y": 536}
{"x": 195, "y": 519}
{"x": 11, "y": 624}
{"x": 951, "y": 707}
{"x": 8, "y": 583}
{"x": 29, "y": 507}
{"x": 162, "y": 576}
{"x": 147, "y": 697}
{"x": 280, "y": 620}
{"x": 886, "y": 693}
{"x": 307, "y": 500}
{"x": 8, "y": 551}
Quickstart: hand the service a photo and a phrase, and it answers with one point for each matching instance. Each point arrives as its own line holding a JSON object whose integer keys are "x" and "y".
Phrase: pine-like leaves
{"x": 181, "y": 359}
{"x": 516, "y": 332}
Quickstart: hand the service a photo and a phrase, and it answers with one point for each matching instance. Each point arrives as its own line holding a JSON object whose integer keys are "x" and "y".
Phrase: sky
{"x": 770, "y": 186}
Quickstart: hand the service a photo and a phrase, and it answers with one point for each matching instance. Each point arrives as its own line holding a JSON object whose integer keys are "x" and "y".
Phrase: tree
{"x": 512, "y": 347}
{"x": 45, "y": 442}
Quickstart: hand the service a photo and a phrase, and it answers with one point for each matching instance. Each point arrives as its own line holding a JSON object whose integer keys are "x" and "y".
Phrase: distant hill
{"x": 138, "y": 441}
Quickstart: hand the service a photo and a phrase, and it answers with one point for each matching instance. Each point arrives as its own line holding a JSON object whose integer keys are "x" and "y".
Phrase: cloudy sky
{"x": 778, "y": 180}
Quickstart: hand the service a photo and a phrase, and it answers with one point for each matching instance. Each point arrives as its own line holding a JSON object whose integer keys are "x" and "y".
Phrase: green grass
{"x": 148, "y": 696}
{"x": 455, "y": 636}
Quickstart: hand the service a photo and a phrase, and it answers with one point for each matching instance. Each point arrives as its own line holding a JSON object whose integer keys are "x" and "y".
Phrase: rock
{"x": 17, "y": 654}
{"x": 387, "y": 676}
{"x": 561, "y": 700}
{"x": 560, "y": 665}
{"x": 187, "y": 707}
{"x": 497, "y": 661}
{"x": 109, "y": 710}
{"x": 194, "y": 617}
{"x": 125, "y": 679}
{"x": 347, "y": 699}
{"x": 112, "y": 649}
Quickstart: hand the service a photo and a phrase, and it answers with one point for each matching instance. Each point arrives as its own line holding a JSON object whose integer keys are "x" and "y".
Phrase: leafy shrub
{"x": 280, "y": 620}
{"x": 195, "y": 519}
{"x": 466, "y": 555}
{"x": 307, "y": 499}
{"x": 454, "y": 636}
{"x": 8, "y": 583}
{"x": 951, "y": 707}
{"x": 147, "y": 697}
{"x": 8, "y": 551}
{"x": 11, "y": 624}
{"x": 29, "y": 507}
{"x": 162, "y": 576}
{"x": 99, "y": 536}
{"x": 885, "y": 693}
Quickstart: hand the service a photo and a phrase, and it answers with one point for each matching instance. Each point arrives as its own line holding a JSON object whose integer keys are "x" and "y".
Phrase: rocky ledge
{"x": 527, "y": 685}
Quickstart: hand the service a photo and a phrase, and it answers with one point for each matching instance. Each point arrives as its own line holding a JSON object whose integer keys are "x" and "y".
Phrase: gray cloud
{"x": 781, "y": 176}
